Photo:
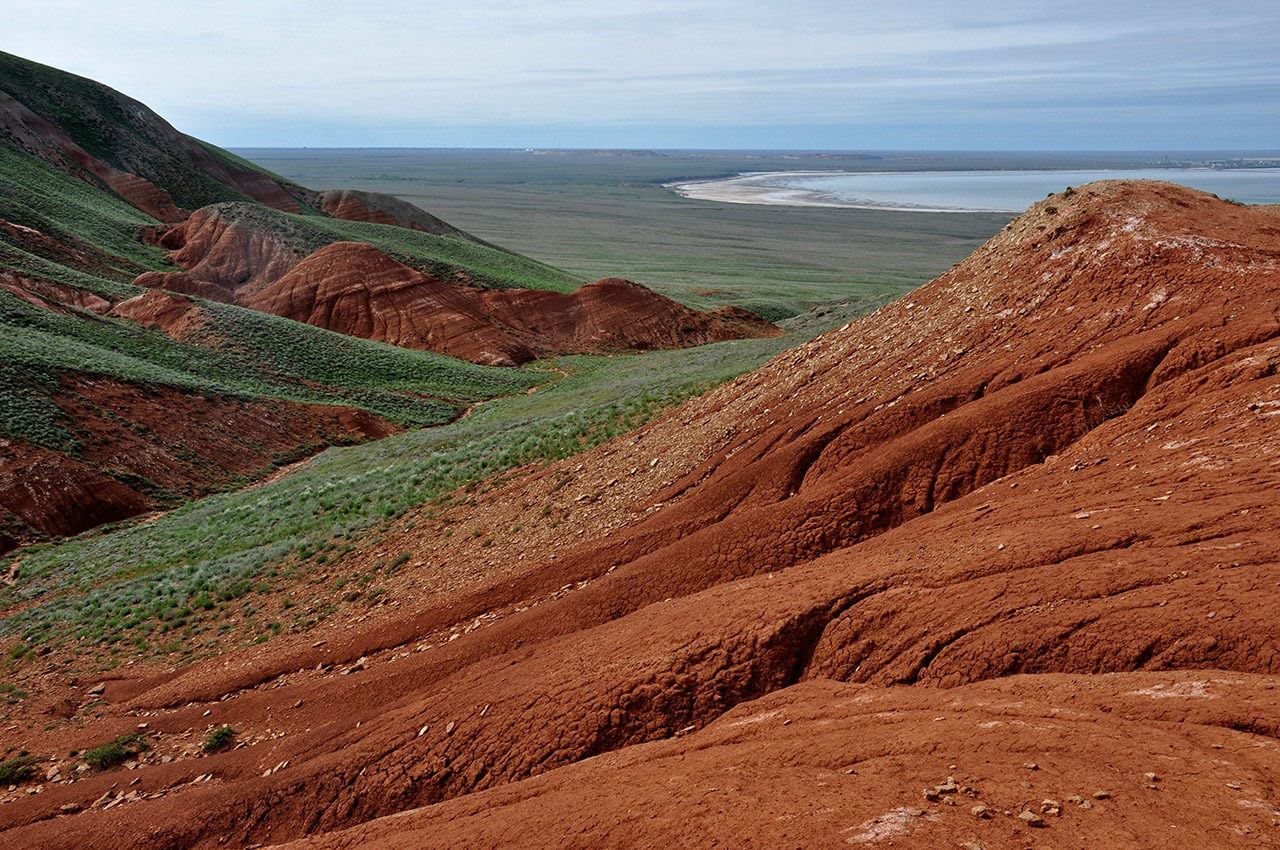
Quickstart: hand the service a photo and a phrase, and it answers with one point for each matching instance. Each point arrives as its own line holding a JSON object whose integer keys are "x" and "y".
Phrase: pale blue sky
{"x": 847, "y": 74}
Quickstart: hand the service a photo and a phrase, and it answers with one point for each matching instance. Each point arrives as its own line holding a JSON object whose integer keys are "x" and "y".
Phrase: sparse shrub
{"x": 17, "y": 769}
{"x": 218, "y": 738}
{"x": 122, "y": 748}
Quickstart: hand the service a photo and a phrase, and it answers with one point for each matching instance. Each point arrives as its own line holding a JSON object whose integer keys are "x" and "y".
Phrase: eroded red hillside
{"x": 1016, "y": 529}
{"x": 355, "y": 289}
{"x": 355, "y": 205}
{"x": 141, "y": 451}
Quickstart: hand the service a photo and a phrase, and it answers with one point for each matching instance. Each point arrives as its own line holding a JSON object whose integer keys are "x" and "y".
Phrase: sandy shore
{"x": 772, "y": 188}
{"x": 766, "y": 188}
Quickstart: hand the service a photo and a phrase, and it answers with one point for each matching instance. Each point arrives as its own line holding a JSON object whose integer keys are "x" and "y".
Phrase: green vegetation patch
{"x": 18, "y": 769}
{"x": 249, "y": 355}
{"x": 219, "y": 738}
{"x": 120, "y": 750}
{"x": 159, "y": 587}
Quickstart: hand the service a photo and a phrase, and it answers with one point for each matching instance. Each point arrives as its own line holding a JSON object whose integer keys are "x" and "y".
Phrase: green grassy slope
{"x": 71, "y": 212}
{"x": 163, "y": 587}
{"x": 240, "y": 353}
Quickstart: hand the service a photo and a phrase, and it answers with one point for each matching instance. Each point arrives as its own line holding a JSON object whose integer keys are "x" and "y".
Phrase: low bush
{"x": 121, "y": 749}
{"x": 218, "y": 738}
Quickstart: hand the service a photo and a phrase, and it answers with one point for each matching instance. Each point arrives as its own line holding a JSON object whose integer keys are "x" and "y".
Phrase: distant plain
{"x": 598, "y": 214}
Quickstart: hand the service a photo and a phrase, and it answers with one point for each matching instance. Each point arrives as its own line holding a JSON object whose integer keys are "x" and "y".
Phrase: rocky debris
{"x": 1031, "y": 818}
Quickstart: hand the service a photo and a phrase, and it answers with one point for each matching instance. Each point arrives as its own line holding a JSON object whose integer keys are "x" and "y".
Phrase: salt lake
{"x": 964, "y": 191}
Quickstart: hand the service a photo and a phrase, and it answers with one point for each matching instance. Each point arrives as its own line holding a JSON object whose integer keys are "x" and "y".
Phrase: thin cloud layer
{"x": 713, "y": 73}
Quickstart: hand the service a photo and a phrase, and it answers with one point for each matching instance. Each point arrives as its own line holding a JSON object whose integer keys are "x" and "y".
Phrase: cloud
{"x": 231, "y": 70}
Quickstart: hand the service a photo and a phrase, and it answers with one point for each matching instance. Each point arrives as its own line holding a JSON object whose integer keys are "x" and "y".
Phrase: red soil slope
{"x": 140, "y": 440}
{"x": 355, "y": 289}
{"x": 355, "y": 205}
{"x": 1017, "y": 529}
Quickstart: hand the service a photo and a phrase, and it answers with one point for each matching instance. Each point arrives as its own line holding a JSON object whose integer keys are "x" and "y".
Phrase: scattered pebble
{"x": 1031, "y": 819}
{"x": 980, "y": 811}
{"x": 1102, "y": 795}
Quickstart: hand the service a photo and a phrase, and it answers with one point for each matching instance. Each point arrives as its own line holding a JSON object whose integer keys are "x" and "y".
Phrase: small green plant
{"x": 218, "y": 738}
{"x": 17, "y": 769}
{"x": 112, "y": 754}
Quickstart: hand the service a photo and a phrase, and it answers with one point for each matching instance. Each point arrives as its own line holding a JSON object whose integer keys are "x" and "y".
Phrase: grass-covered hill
{"x": 103, "y": 412}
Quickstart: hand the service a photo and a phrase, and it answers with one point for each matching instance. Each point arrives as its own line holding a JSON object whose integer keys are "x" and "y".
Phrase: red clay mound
{"x": 225, "y": 259}
{"x": 1015, "y": 529}
{"x": 357, "y": 290}
{"x": 355, "y": 205}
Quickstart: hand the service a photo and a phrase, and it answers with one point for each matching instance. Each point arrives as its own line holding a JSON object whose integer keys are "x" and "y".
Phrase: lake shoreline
{"x": 771, "y": 189}
{"x": 986, "y": 191}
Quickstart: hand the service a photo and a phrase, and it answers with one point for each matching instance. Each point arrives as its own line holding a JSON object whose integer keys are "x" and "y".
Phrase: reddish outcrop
{"x": 1015, "y": 529}
{"x": 52, "y": 296}
{"x": 224, "y": 258}
{"x": 356, "y": 289}
{"x": 355, "y": 205}
{"x": 145, "y": 436}
{"x": 176, "y": 315}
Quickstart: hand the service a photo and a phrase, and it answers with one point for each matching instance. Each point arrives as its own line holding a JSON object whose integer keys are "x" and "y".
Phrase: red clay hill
{"x": 995, "y": 567}
{"x": 356, "y": 289}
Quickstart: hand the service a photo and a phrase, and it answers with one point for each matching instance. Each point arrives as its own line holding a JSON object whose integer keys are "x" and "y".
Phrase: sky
{"x": 802, "y": 74}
